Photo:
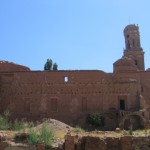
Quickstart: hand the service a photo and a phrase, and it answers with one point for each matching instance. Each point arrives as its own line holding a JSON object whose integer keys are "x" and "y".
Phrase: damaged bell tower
{"x": 133, "y": 48}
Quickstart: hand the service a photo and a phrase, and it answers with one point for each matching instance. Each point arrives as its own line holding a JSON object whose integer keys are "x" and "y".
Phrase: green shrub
{"x": 4, "y": 124}
{"x": 7, "y": 113}
{"x": 30, "y": 124}
{"x": 95, "y": 119}
{"x": 78, "y": 129}
{"x": 46, "y": 135}
{"x": 130, "y": 131}
{"x": 33, "y": 137}
{"x": 18, "y": 125}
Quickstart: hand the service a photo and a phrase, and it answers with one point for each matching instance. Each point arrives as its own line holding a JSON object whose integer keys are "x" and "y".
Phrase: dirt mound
{"x": 60, "y": 129}
{"x": 55, "y": 125}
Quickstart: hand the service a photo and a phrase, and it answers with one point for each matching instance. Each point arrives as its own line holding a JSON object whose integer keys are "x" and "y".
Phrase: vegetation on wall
{"x": 78, "y": 129}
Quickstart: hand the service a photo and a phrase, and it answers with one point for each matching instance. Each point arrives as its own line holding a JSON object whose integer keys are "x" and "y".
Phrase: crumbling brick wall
{"x": 107, "y": 143}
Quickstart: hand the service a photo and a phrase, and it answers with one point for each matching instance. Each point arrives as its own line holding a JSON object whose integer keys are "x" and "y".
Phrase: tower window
{"x": 133, "y": 44}
{"x": 129, "y": 44}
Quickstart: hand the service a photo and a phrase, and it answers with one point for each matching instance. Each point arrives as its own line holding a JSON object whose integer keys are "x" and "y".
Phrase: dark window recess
{"x": 129, "y": 44}
{"x": 133, "y": 44}
{"x": 143, "y": 114}
{"x": 122, "y": 114}
{"x": 142, "y": 90}
{"x": 53, "y": 104}
{"x": 117, "y": 114}
{"x": 122, "y": 104}
{"x": 135, "y": 62}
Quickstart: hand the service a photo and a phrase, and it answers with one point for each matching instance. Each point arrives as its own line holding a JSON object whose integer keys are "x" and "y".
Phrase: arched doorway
{"x": 133, "y": 122}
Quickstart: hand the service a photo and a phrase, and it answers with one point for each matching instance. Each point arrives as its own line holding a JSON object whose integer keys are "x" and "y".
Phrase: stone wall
{"x": 107, "y": 143}
{"x": 68, "y": 96}
{"x": 6, "y": 66}
{"x": 8, "y": 145}
{"x": 88, "y": 143}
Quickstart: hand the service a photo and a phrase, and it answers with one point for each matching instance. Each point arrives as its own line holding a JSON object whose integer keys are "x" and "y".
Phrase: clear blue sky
{"x": 76, "y": 34}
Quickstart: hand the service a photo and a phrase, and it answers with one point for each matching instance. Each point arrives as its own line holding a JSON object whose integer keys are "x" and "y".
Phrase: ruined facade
{"x": 122, "y": 97}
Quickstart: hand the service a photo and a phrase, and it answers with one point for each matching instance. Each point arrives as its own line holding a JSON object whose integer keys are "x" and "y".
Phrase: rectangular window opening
{"x": 122, "y": 104}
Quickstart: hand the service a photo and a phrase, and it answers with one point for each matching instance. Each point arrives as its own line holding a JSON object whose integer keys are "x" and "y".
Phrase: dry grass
{"x": 114, "y": 133}
{"x": 9, "y": 135}
{"x": 61, "y": 129}
{"x": 60, "y": 134}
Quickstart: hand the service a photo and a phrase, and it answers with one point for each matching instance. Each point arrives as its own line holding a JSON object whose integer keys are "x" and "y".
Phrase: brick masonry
{"x": 122, "y": 97}
{"x": 107, "y": 143}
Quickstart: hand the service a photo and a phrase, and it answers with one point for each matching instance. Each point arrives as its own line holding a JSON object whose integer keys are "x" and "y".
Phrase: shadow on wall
{"x": 133, "y": 122}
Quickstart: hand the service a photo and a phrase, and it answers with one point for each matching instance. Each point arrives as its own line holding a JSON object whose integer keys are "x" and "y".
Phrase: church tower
{"x": 133, "y": 48}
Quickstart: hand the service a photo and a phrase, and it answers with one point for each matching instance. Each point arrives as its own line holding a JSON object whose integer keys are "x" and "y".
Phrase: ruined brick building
{"x": 123, "y": 97}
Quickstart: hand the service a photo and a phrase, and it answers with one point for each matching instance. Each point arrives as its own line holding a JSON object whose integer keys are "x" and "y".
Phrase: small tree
{"x": 55, "y": 66}
{"x": 95, "y": 119}
{"x": 48, "y": 65}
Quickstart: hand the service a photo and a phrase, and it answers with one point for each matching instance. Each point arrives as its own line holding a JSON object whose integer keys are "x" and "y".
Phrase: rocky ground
{"x": 60, "y": 130}
{"x": 18, "y": 138}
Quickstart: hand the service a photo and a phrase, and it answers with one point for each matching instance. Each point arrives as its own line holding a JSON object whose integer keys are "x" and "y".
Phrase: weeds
{"x": 125, "y": 132}
{"x": 7, "y": 114}
{"x": 33, "y": 137}
{"x": 78, "y": 129}
{"x": 130, "y": 131}
{"x": 30, "y": 124}
{"x": 46, "y": 135}
{"x": 18, "y": 125}
{"x": 145, "y": 132}
{"x": 4, "y": 124}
